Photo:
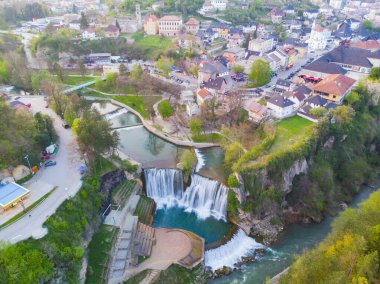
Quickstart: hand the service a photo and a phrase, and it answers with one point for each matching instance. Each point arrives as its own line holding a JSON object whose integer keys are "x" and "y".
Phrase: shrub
{"x": 165, "y": 109}
{"x": 232, "y": 181}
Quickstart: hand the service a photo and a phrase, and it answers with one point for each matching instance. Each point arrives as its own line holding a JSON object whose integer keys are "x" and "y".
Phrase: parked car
{"x": 50, "y": 164}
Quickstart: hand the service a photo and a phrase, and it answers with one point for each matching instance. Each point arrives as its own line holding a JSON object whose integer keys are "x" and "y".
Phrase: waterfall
{"x": 115, "y": 113}
{"x": 201, "y": 160}
{"x": 165, "y": 186}
{"x": 230, "y": 254}
{"x": 204, "y": 197}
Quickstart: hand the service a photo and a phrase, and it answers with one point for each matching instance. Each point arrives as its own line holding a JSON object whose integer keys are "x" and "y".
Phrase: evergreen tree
{"x": 83, "y": 21}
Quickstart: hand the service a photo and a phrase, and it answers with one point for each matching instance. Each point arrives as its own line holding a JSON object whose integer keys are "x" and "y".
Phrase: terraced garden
{"x": 121, "y": 194}
{"x": 144, "y": 210}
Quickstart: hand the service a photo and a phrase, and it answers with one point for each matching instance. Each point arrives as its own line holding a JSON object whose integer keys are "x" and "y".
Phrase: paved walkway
{"x": 64, "y": 175}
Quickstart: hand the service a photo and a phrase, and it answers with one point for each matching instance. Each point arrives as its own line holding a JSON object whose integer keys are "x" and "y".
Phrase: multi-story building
{"x": 261, "y": 45}
{"x": 318, "y": 38}
{"x": 169, "y": 25}
{"x": 151, "y": 25}
{"x": 192, "y": 26}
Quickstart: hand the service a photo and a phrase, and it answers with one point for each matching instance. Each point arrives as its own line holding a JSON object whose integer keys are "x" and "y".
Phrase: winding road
{"x": 65, "y": 176}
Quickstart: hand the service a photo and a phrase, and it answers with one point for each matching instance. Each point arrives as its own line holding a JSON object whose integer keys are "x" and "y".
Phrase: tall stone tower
{"x": 138, "y": 16}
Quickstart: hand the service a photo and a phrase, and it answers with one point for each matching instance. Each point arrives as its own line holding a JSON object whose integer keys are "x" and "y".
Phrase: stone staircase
{"x": 122, "y": 252}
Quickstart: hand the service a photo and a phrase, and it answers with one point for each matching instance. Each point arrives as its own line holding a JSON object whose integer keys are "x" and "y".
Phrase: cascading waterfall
{"x": 231, "y": 253}
{"x": 204, "y": 196}
{"x": 115, "y": 113}
{"x": 201, "y": 161}
{"x": 165, "y": 186}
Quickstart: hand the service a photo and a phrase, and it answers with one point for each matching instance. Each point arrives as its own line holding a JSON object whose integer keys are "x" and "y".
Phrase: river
{"x": 296, "y": 238}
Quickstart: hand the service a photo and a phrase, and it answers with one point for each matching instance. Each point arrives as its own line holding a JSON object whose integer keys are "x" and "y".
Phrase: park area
{"x": 77, "y": 80}
{"x": 153, "y": 46}
{"x": 290, "y": 131}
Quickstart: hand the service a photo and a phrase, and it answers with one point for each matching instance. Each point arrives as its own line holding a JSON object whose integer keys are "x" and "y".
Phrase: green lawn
{"x": 290, "y": 130}
{"x": 207, "y": 138}
{"x": 77, "y": 80}
{"x": 142, "y": 104}
{"x": 98, "y": 254}
{"x": 152, "y": 45}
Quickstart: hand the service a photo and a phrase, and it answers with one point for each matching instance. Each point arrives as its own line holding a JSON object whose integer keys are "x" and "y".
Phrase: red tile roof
{"x": 90, "y": 30}
{"x": 192, "y": 22}
{"x": 335, "y": 84}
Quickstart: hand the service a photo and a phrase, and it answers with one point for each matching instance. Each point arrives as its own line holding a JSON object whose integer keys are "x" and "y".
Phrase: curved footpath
{"x": 149, "y": 126}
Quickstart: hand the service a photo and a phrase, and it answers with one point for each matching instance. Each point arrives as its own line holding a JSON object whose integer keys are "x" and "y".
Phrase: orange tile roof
{"x": 337, "y": 84}
{"x": 203, "y": 93}
{"x": 257, "y": 108}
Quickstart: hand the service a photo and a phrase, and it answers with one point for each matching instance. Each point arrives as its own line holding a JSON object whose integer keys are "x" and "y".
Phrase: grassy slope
{"x": 77, "y": 80}
{"x": 290, "y": 130}
{"x": 99, "y": 248}
{"x": 153, "y": 45}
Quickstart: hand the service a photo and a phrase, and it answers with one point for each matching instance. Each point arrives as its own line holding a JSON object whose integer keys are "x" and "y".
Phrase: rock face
{"x": 109, "y": 182}
{"x": 266, "y": 231}
{"x": 20, "y": 172}
{"x": 299, "y": 167}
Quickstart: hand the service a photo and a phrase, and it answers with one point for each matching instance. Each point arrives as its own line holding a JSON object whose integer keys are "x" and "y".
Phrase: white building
{"x": 261, "y": 45}
{"x": 89, "y": 34}
{"x": 337, "y": 4}
{"x": 280, "y": 106}
{"x": 318, "y": 38}
{"x": 219, "y": 4}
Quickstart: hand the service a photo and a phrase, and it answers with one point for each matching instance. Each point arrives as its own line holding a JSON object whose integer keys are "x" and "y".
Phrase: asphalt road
{"x": 65, "y": 176}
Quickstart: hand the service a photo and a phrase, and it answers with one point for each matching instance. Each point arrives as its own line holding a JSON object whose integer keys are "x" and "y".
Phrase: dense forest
{"x": 350, "y": 254}
{"x": 12, "y": 15}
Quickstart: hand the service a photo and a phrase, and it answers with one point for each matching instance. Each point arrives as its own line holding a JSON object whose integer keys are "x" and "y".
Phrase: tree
{"x": 238, "y": 69}
{"x": 375, "y": 73}
{"x": 344, "y": 115}
{"x": 260, "y": 73}
{"x": 59, "y": 71}
{"x": 352, "y": 98}
{"x": 118, "y": 25}
{"x": 123, "y": 69}
{"x": 38, "y": 78}
{"x": 95, "y": 136}
{"x": 164, "y": 63}
{"x": 136, "y": 72}
{"x": 318, "y": 111}
{"x": 165, "y": 109}
{"x": 196, "y": 126}
{"x": 83, "y": 21}
{"x": 55, "y": 96}
{"x": 82, "y": 67}
{"x": 188, "y": 160}
{"x": 233, "y": 153}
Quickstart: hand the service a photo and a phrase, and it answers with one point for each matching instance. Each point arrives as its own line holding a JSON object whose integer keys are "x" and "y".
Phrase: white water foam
{"x": 201, "y": 160}
{"x": 204, "y": 197}
{"x": 127, "y": 128}
{"x": 231, "y": 253}
{"x": 116, "y": 113}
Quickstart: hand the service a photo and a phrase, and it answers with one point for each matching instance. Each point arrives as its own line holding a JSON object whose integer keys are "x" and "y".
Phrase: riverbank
{"x": 150, "y": 127}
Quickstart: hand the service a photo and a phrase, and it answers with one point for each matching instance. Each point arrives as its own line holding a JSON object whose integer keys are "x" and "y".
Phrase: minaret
{"x": 138, "y": 16}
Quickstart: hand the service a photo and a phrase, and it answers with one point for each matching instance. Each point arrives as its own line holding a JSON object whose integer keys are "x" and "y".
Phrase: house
{"x": 334, "y": 87}
{"x": 289, "y": 10}
{"x": 169, "y": 25}
{"x": 319, "y": 70}
{"x": 299, "y": 95}
{"x": 283, "y": 57}
{"x": 304, "y": 112}
{"x": 217, "y": 86}
{"x": 17, "y": 105}
{"x": 89, "y": 34}
{"x": 151, "y": 25}
{"x": 211, "y": 70}
{"x": 285, "y": 85}
{"x": 222, "y": 30}
{"x": 112, "y": 31}
{"x": 280, "y": 107}
{"x": 337, "y": 4}
{"x": 186, "y": 41}
{"x": 235, "y": 40}
{"x": 192, "y": 26}
{"x": 261, "y": 45}
{"x": 316, "y": 101}
{"x": 206, "y": 7}
{"x": 344, "y": 31}
{"x": 203, "y": 96}
{"x": 192, "y": 109}
{"x": 318, "y": 38}
{"x": 353, "y": 58}
{"x": 311, "y": 14}
{"x": 249, "y": 28}
{"x": 276, "y": 15}
{"x": 257, "y": 112}
{"x": 219, "y": 4}
{"x": 75, "y": 25}
{"x": 372, "y": 45}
